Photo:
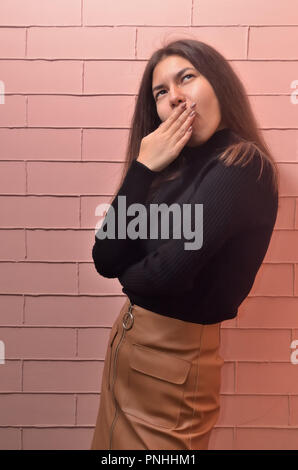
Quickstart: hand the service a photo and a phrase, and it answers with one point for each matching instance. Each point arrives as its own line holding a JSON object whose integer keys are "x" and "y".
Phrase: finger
{"x": 188, "y": 121}
{"x": 180, "y": 122}
{"x": 173, "y": 117}
{"x": 183, "y": 139}
{"x": 183, "y": 129}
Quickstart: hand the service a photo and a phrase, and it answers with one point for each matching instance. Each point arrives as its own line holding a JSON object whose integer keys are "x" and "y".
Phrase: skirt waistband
{"x": 142, "y": 326}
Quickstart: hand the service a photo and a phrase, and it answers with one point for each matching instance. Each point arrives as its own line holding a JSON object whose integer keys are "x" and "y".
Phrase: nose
{"x": 176, "y": 97}
{"x": 188, "y": 106}
{"x": 177, "y": 102}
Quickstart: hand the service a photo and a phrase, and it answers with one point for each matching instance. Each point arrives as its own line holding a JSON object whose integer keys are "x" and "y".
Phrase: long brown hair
{"x": 234, "y": 105}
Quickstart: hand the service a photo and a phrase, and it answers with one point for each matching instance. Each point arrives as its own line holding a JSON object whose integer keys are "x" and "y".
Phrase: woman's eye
{"x": 188, "y": 75}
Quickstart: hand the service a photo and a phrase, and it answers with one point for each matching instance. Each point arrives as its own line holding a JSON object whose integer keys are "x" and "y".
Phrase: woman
{"x": 162, "y": 372}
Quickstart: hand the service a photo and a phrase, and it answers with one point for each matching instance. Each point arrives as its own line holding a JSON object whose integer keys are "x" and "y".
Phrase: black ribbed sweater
{"x": 204, "y": 285}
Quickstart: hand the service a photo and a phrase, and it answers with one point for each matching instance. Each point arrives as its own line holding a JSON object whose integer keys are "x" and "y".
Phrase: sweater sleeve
{"x": 233, "y": 201}
{"x": 112, "y": 255}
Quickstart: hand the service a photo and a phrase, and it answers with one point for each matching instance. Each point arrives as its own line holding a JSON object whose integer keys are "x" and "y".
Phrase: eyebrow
{"x": 178, "y": 74}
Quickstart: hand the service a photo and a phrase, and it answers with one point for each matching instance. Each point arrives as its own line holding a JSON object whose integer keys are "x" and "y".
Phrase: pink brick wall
{"x": 70, "y": 71}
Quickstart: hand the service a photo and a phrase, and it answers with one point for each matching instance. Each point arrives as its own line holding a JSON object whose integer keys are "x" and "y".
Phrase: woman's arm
{"x": 112, "y": 256}
{"x": 233, "y": 201}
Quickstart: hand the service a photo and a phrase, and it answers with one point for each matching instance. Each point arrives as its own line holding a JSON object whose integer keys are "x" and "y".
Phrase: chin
{"x": 194, "y": 141}
{"x": 195, "y": 138}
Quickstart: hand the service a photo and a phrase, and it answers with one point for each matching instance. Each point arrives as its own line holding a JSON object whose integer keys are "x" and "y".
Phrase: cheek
{"x": 206, "y": 99}
{"x": 160, "y": 113}
{"x": 213, "y": 108}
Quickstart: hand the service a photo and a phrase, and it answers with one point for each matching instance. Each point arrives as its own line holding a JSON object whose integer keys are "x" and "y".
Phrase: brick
{"x": 81, "y": 43}
{"x": 33, "y": 12}
{"x": 37, "y": 76}
{"x": 41, "y": 144}
{"x": 42, "y": 212}
{"x": 241, "y": 12}
{"x": 131, "y": 12}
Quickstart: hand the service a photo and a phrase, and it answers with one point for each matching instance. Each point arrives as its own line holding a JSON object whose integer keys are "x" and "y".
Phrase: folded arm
{"x": 112, "y": 256}
{"x": 233, "y": 200}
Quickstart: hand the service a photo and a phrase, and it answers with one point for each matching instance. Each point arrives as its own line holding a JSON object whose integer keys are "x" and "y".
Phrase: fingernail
{"x": 193, "y": 105}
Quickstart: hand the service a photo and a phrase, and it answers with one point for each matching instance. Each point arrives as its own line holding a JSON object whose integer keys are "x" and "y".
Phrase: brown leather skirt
{"x": 160, "y": 384}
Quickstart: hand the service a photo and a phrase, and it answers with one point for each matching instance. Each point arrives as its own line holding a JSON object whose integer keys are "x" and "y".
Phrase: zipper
{"x": 111, "y": 345}
{"x": 114, "y": 378}
{"x": 116, "y": 405}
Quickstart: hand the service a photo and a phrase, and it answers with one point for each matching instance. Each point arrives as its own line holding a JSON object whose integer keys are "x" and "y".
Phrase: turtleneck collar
{"x": 218, "y": 140}
{"x": 192, "y": 158}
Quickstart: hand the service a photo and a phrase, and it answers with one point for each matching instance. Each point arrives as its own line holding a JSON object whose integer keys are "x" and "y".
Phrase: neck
{"x": 219, "y": 139}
